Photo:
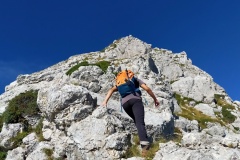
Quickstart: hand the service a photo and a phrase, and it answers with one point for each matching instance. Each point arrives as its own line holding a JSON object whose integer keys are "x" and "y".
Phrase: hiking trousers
{"x": 135, "y": 109}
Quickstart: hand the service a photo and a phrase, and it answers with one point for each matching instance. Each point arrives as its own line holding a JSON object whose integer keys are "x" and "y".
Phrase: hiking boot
{"x": 145, "y": 150}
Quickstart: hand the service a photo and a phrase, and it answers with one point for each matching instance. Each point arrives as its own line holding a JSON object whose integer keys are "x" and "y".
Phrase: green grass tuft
{"x": 135, "y": 150}
{"x": 49, "y": 153}
{"x": 74, "y": 68}
{"x": 193, "y": 114}
{"x": 228, "y": 117}
{"x": 17, "y": 140}
{"x": 38, "y": 130}
{"x": 102, "y": 64}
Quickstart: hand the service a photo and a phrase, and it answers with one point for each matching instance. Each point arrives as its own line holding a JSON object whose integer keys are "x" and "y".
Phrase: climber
{"x": 128, "y": 87}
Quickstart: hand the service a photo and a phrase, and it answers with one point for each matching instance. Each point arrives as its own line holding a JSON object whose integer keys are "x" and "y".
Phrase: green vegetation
{"x": 74, "y": 68}
{"x": 22, "y": 105}
{"x": 3, "y": 153}
{"x": 49, "y": 153}
{"x": 17, "y": 140}
{"x": 228, "y": 117}
{"x": 1, "y": 122}
{"x": 38, "y": 130}
{"x": 236, "y": 128}
{"x": 25, "y": 104}
{"x": 221, "y": 102}
{"x": 193, "y": 114}
{"x": 102, "y": 64}
{"x": 135, "y": 150}
{"x": 182, "y": 65}
{"x": 171, "y": 82}
{"x": 184, "y": 100}
{"x": 19, "y": 106}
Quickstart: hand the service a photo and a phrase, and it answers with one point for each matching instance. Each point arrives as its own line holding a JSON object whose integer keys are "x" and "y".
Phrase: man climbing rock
{"x": 128, "y": 87}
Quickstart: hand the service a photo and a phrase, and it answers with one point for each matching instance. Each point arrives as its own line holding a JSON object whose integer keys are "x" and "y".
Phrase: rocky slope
{"x": 74, "y": 126}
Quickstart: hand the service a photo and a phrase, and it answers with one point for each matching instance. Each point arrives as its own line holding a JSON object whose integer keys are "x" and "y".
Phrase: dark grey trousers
{"x": 135, "y": 109}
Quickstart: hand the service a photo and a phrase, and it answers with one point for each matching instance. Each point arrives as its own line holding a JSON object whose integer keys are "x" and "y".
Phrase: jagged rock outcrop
{"x": 75, "y": 126}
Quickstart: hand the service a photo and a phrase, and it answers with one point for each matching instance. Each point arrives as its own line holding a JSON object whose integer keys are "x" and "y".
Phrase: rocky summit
{"x": 56, "y": 113}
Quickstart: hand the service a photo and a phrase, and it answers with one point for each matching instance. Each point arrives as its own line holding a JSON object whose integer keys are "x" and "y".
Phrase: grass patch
{"x": 3, "y": 153}
{"x": 101, "y": 64}
{"x": 38, "y": 130}
{"x": 171, "y": 82}
{"x": 1, "y": 122}
{"x": 221, "y": 102}
{"x": 49, "y": 153}
{"x": 74, "y": 68}
{"x": 184, "y": 100}
{"x": 193, "y": 114}
{"x": 228, "y": 117}
{"x": 17, "y": 140}
{"x": 135, "y": 150}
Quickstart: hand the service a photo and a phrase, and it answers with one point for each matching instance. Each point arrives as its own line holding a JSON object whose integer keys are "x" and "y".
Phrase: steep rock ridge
{"x": 74, "y": 126}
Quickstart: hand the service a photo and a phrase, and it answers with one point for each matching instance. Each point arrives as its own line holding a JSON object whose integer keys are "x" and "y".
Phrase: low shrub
{"x": 3, "y": 153}
{"x": 20, "y": 106}
{"x": 25, "y": 104}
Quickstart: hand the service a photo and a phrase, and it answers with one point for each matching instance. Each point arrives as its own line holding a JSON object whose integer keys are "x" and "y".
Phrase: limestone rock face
{"x": 75, "y": 125}
{"x": 9, "y": 131}
{"x": 127, "y": 47}
{"x": 198, "y": 88}
{"x": 215, "y": 152}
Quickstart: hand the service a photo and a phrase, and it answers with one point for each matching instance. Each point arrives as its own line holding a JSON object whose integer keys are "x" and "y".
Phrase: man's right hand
{"x": 156, "y": 102}
{"x": 104, "y": 104}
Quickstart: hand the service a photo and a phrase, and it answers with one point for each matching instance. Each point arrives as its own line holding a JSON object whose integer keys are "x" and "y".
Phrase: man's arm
{"x": 149, "y": 91}
{"x": 109, "y": 94}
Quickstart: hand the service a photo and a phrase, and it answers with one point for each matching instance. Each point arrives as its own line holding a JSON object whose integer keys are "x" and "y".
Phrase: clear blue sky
{"x": 37, "y": 34}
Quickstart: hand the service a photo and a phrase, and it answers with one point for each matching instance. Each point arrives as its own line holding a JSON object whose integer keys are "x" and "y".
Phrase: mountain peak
{"x": 194, "y": 110}
{"x": 127, "y": 47}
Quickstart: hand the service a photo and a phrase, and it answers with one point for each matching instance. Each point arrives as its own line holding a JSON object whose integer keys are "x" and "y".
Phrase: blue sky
{"x": 37, "y": 34}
